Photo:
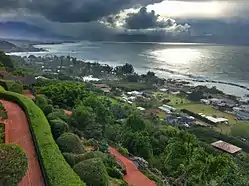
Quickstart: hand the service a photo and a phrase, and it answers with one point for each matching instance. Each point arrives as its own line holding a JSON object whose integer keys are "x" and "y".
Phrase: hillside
{"x": 7, "y": 46}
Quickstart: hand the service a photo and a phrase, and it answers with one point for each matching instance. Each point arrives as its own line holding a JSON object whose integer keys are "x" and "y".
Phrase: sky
{"x": 219, "y": 19}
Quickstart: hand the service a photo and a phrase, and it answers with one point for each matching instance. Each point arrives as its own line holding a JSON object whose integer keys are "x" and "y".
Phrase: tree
{"x": 138, "y": 143}
{"x": 41, "y": 101}
{"x": 240, "y": 130}
{"x": 13, "y": 164}
{"x": 196, "y": 95}
{"x": 127, "y": 69}
{"x": 6, "y": 60}
{"x": 83, "y": 116}
{"x": 65, "y": 94}
{"x": 92, "y": 172}
{"x": 15, "y": 86}
{"x": 135, "y": 122}
{"x": 71, "y": 143}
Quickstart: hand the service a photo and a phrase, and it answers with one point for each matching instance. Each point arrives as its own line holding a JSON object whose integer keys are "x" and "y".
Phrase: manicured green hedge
{"x": 58, "y": 172}
{"x": 69, "y": 142}
{"x": 93, "y": 172}
{"x": 13, "y": 164}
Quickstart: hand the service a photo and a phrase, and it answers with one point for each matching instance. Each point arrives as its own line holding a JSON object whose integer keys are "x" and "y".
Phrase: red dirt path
{"x": 133, "y": 177}
{"x": 28, "y": 94}
{"x": 18, "y": 133}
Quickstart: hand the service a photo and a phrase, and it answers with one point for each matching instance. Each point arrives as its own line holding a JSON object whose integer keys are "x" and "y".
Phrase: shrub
{"x": 69, "y": 142}
{"x": 58, "y": 172}
{"x": 73, "y": 159}
{"x": 70, "y": 158}
{"x": 58, "y": 114}
{"x": 41, "y": 101}
{"x": 15, "y": 86}
{"x": 48, "y": 109}
{"x": 123, "y": 151}
{"x": 92, "y": 172}
{"x": 91, "y": 142}
{"x": 114, "y": 172}
{"x": 13, "y": 164}
{"x": 58, "y": 128}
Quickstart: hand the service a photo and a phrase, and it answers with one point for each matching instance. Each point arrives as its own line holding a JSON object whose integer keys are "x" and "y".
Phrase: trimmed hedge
{"x": 69, "y": 142}
{"x": 13, "y": 164}
{"x": 57, "y": 171}
{"x": 93, "y": 172}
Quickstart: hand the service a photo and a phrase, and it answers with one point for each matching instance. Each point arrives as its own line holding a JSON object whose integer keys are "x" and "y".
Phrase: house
{"x": 141, "y": 108}
{"x": 172, "y": 119}
{"x": 205, "y": 101}
{"x": 167, "y": 108}
{"x": 135, "y": 93}
{"x": 215, "y": 101}
{"x": 226, "y": 147}
{"x": 217, "y": 120}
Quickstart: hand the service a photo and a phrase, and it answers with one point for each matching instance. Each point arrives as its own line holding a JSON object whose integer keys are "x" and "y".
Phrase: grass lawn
{"x": 1, "y": 133}
{"x": 208, "y": 110}
{"x": 174, "y": 99}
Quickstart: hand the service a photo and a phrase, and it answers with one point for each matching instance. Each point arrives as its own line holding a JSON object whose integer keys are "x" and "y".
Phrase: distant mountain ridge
{"x": 26, "y": 31}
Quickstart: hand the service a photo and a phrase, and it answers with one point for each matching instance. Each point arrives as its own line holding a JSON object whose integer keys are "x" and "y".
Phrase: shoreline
{"x": 189, "y": 77}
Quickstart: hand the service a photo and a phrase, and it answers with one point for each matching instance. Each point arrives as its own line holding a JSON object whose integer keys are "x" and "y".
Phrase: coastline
{"x": 193, "y": 79}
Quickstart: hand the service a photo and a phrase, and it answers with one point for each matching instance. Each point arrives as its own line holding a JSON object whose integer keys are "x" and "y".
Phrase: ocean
{"x": 167, "y": 60}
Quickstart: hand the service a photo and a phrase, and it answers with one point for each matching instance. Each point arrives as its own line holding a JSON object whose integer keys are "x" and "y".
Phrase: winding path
{"x": 133, "y": 177}
{"x": 17, "y": 131}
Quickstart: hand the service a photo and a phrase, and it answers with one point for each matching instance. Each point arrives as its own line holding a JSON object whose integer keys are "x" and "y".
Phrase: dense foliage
{"x": 64, "y": 94}
{"x": 6, "y": 60}
{"x": 184, "y": 158}
{"x": 58, "y": 172}
{"x": 58, "y": 128}
{"x": 2, "y": 133}
{"x": 13, "y": 164}
{"x": 92, "y": 172}
{"x": 69, "y": 142}
{"x": 14, "y": 86}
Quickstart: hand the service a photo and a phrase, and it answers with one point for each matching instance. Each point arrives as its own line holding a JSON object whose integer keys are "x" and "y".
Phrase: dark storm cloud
{"x": 144, "y": 19}
{"x": 74, "y": 10}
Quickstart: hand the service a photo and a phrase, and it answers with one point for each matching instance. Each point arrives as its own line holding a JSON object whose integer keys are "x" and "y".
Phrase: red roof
{"x": 224, "y": 146}
{"x": 100, "y": 85}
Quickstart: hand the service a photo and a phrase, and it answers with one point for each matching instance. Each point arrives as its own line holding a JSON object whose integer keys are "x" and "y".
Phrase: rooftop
{"x": 227, "y": 147}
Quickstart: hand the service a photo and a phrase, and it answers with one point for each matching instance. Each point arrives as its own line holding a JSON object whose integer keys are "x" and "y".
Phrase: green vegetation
{"x": 178, "y": 154}
{"x": 14, "y": 86}
{"x": 240, "y": 130}
{"x": 64, "y": 94}
{"x": 2, "y": 133}
{"x": 6, "y": 61}
{"x": 58, "y": 114}
{"x": 58, "y": 128}
{"x": 93, "y": 172}
{"x": 57, "y": 170}
{"x": 3, "y": 112}
{"x": 170, "y": 99}
{"x": 208, "y": 110}
{"x": 69, "y": 142}
{"x": 13, "y": 164}
{"x": 130, "y": 86}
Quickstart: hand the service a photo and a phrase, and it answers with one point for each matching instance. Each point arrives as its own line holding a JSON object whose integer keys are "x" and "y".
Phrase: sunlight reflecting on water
{"x": 177, "y": 56}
